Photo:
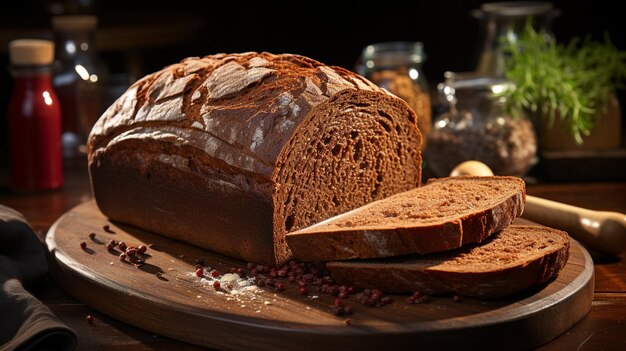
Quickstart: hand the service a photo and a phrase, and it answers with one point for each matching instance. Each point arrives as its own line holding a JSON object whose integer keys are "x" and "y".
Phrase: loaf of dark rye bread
{"x": 444, "y": 214}
{"x": 231, "y": 152}
{"x": 514, "y": 259}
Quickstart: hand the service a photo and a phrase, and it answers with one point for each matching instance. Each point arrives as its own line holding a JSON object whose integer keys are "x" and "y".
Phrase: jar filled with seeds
{"x": 397, "y": 67}
{"x": 476, "y": 126}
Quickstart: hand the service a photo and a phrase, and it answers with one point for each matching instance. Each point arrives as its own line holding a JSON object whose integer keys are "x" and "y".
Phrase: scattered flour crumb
{"x": 267, "y": 303}
{"x": 235, "y": 288}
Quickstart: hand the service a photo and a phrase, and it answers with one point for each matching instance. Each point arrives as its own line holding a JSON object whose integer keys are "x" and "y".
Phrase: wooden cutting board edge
{"x": 225, "y": 330}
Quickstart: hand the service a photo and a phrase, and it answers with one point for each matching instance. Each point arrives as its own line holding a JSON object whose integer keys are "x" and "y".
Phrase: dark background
{"x": 331, "y": 32}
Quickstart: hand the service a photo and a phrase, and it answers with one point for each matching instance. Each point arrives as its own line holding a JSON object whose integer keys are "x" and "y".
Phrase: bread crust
{"x": 195, "y": 151}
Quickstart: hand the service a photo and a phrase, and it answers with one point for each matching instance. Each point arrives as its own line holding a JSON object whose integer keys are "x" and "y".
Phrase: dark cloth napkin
{"x": 25, "y": 322}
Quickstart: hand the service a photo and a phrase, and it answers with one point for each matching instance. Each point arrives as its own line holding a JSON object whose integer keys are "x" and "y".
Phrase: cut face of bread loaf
{"x": 444, "y": 214}
{"x": 230, "y": 152}
{"x": 516, "y": 258}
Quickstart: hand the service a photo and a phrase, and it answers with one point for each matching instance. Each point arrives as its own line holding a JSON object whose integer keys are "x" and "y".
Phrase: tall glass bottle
{"x": 34, "y": 118}
{"x": 81, "y": 79}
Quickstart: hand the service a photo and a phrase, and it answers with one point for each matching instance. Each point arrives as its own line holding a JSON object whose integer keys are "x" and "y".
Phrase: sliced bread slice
{"x": 515, "y": 259}
{"x": 444, "y": 214}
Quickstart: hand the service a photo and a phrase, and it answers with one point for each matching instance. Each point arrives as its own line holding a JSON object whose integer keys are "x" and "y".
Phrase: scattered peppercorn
{"x": 110, "y": 245}
{"x": 199, "y": 272}
{"x": 107, "y": 228}
{"x": 338, "y": 308}
{"x": 374, "y": 298}
{"x": 92, "y": 235}
{"x": 89, "y": 319}
{"x": 305, "y": 275}
{"x": 417, "y": 297}
{"x": 142, "y": 249}
{"x": 83, "y": 245}
{"x": 122, "y": 256}
{"x": 122, "y": 246}
{"x": 131, "y": 251}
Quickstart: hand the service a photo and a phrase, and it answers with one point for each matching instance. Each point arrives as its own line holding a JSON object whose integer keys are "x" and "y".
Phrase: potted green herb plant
{"x": 568, "y": 89}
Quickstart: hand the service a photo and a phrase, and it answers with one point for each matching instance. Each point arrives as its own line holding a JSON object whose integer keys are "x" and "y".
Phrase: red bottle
{"x": 34, "y": 118}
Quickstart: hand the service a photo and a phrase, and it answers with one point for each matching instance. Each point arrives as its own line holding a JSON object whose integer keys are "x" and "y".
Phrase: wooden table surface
{"x": 604, "y": 328}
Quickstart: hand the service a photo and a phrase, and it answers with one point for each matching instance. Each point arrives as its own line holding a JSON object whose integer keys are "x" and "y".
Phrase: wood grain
{"x": 602, "y": 329}
{"x": 178, "y": 306}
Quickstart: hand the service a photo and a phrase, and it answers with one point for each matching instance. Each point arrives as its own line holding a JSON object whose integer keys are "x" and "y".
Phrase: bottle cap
{"x": 74, "y": 22}
{"x": 26, "y": 52}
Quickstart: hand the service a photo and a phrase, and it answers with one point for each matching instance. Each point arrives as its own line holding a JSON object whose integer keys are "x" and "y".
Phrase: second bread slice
{"x": 442, "y": 215}
{"x": 514, "y": 259}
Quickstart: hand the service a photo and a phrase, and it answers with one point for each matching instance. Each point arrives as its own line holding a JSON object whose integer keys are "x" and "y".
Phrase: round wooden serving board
{"x": 176, "y": 304}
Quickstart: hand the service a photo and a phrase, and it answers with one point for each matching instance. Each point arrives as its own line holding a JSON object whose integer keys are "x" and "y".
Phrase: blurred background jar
{"x": 477, "y": 127}
{"x": 397, "y": 67}
{"x": 81, "y": 79}
{"x": 504, "y": 22}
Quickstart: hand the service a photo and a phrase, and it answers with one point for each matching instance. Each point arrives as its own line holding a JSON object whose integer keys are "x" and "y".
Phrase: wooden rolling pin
{"x": 602, "y": 231}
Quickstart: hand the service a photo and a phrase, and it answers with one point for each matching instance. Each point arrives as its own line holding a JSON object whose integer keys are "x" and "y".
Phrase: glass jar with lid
{"x": 477, "y": 127}
{"x": 503, "y": 22}
{"x": 397, "y": 67}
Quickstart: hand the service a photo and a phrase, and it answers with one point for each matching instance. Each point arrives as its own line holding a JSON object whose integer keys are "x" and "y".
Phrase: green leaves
{"x": 574, "y": 80}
